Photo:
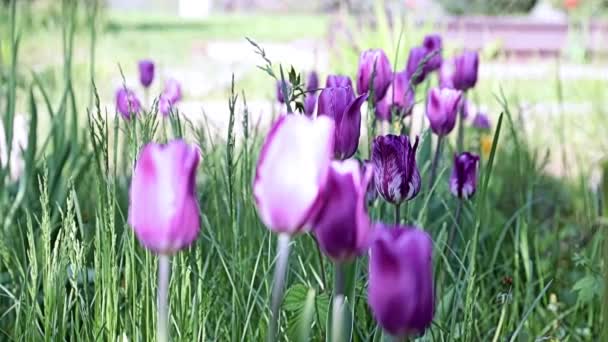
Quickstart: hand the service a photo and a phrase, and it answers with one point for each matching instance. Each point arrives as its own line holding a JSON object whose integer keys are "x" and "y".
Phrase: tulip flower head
{"x": 395, "y": 171}
{"x": 338, "y": 81}
{"x": 291, "y": 172}
{"x": 127, "y": 103}
{"x": 340, "y": 104}
{"x": 163, "y": 207}
{"x": 173, "y": 90}
{"x": 482, "y": 122}
{"x": 281, "y": 97}
{"x": 446, "y": 74}
{"x": 399, "y": 95}
{"x": 146, "y": 72}
{"x": 463, "y": 181}
{"x": 441, "y": 109}
{"x": 342, "y": 226}
{"x": 370, "y": 59}
{"x": 465, "y": 70}
{"x": 415, "y": 68}
{"x": 310, "y": 99}
{"x": 433, "y": 45}
{"x": 313, "y": 81}
{"x": 400, "y": 290}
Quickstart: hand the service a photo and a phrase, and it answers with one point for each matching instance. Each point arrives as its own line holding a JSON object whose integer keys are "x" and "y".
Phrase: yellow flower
{"x": 486, "y": 145}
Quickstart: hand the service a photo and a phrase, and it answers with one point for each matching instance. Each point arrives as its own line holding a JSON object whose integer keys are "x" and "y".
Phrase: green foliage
{"x": 493, "y": 7}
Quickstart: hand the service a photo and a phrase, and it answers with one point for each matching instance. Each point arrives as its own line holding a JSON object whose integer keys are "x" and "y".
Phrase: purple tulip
{"x": 280, "y": 96}
{"x": 395, "y": 171}
{"x": 400, "y": 290}
{"x": 482, "y": 122}
{"x": 441, "y": 109}
{"x": 291, "y": 172}
{"x": 433, "y": 45}
{"x": 465, "y": 107}
{"x": 446, "y": 74}
{"x": 164, "y": 105}
{"x": 340, "y": 104}
{"x": 382, "y": 77}
{"x": 342, "y": 226}
{"x": 127, "y": 103}
{"x": 310, "y": 102}
{"x": 146, "y": 72}
{"x": 465, "y": 70}
{"x": 414, "y": 60}
{"x": 313, "y": 81}
{"x": 163, "y": 208}
{"x": 338, "y": 81}
{"x": 399, "y": 95}
{"x": 172, "y": 91}
{"x": 463, "y": 180}
{"x": 371, "y": 194}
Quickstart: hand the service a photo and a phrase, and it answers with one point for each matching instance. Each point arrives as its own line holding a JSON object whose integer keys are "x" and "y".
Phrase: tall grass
{"x": 525, "y": 264}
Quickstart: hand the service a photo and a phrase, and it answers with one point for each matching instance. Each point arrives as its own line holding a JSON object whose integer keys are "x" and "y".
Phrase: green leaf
{"x": 588, "y": 287}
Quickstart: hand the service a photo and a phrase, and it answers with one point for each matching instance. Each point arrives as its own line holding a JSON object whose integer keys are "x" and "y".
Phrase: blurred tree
{"x": 493, "y": 7}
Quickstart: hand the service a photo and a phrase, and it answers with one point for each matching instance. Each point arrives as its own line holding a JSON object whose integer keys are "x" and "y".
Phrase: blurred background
{"x": 549, "y": 57}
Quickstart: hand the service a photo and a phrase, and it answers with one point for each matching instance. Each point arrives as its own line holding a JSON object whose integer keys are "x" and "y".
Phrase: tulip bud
{"x": 414, "y": 63}
{"x": 127, "y": 103}
{"x": 482, "y": 122}
{"x": 146, "y": 72}
{"x": 400, "y": 95}
{"x": 383, "y": 73}
{"x": 342, "y": 226}
{"x": 395, "y": 171}
{"x": 173, "y": 91}
{"x": 465, "y": 70}
{"x": 163, "y": 208}
{"x": 463, "y": 180}
{"x": 433, "y": 45}
{"x": 338, "y": 81}
{"x": 291, "y": 172}
{"x": 340, "y": 104}
{"x": 400, "y": 290}
{"x": 441, "y": 109}
{"x": 313, "y": 81}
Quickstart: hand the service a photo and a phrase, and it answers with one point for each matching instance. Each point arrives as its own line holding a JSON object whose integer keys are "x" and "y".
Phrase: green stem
{"x": 279, "y": 281}
{"x": 321, "y": 264}
{"x": 457, "y": 223}
{"x": 163, "y": 298}
{"x": 339, "y": 279}
{"x": 397, "y": 213}
{"x": 435, "y": 161}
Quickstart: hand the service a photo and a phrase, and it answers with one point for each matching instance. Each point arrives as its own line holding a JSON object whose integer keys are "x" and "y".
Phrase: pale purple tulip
{"x": 342, "y": 226}
{"x": 400, "y": 95}
{"x": 291, "y": 172}
{"x": 446, "y": 74}
{"x": 127, "y": 103}
{"x": 482, "y": 122}
{"x": 442, "y": 108}
{"x": 400, "y": 291}
{"x": 338, "y": 81}
{"x": 163, "y": 207}
{"x": 172, "y": 91}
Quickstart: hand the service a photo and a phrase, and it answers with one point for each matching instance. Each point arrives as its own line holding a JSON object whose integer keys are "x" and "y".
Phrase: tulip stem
{"x": 339, "y": 278}
{"x": 457, "y": 223}
{"x": 163, "y": 298}
{"x": 279, "y": 281}
{"x": 338, "y": 302}
{"x": 322, "y": 265}
{"x": 435, "y": 161}
{"x": 397, "y": 213}
{"x": 460, "y": 133}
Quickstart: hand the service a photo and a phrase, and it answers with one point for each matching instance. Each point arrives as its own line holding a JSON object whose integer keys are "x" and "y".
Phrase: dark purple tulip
{"x": 400, "y": 290}
{"x": 415, "y": 59}
{"x": 465, "y": 70}
{"x": 433, "y": 45}
{"x": 342, "y": 226}
{"x": 172, "y": 91}
{"x": 310, "y": 102}
{"x": 340, "y": 104}
{"x": 127, "y": 103}
{"x": 313, "y": 81}
{"x": 441, "y": 109}
{"x": 146, "y": 72}
{"x": 446, "y": 74}
{"x": 338, "y": 81}
{"x": 481, "y": 121}
{"x": 399, "y": 95}
{"x": 395, "y": 171}
{"x": 463, "y": 180}
{"x": 383, "y": 74}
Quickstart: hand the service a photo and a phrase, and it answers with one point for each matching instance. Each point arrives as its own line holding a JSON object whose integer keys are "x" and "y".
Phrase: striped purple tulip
{"x": 400, "y": 291}
{"x": 163, "y": 206}
{"x": 368, "y": 61}
{"x": 465, "y": 70}
{"x": 463, "y": 181}
{"x": 342, "y": 226}
{"x": 395, "y": 171}
{"x": 340, "y": 104}
{"x": 127, "y": 103}
{"x": 442, "y": 108}
{"x": 291, "y": 172}
{"x": 146, "y": 72}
